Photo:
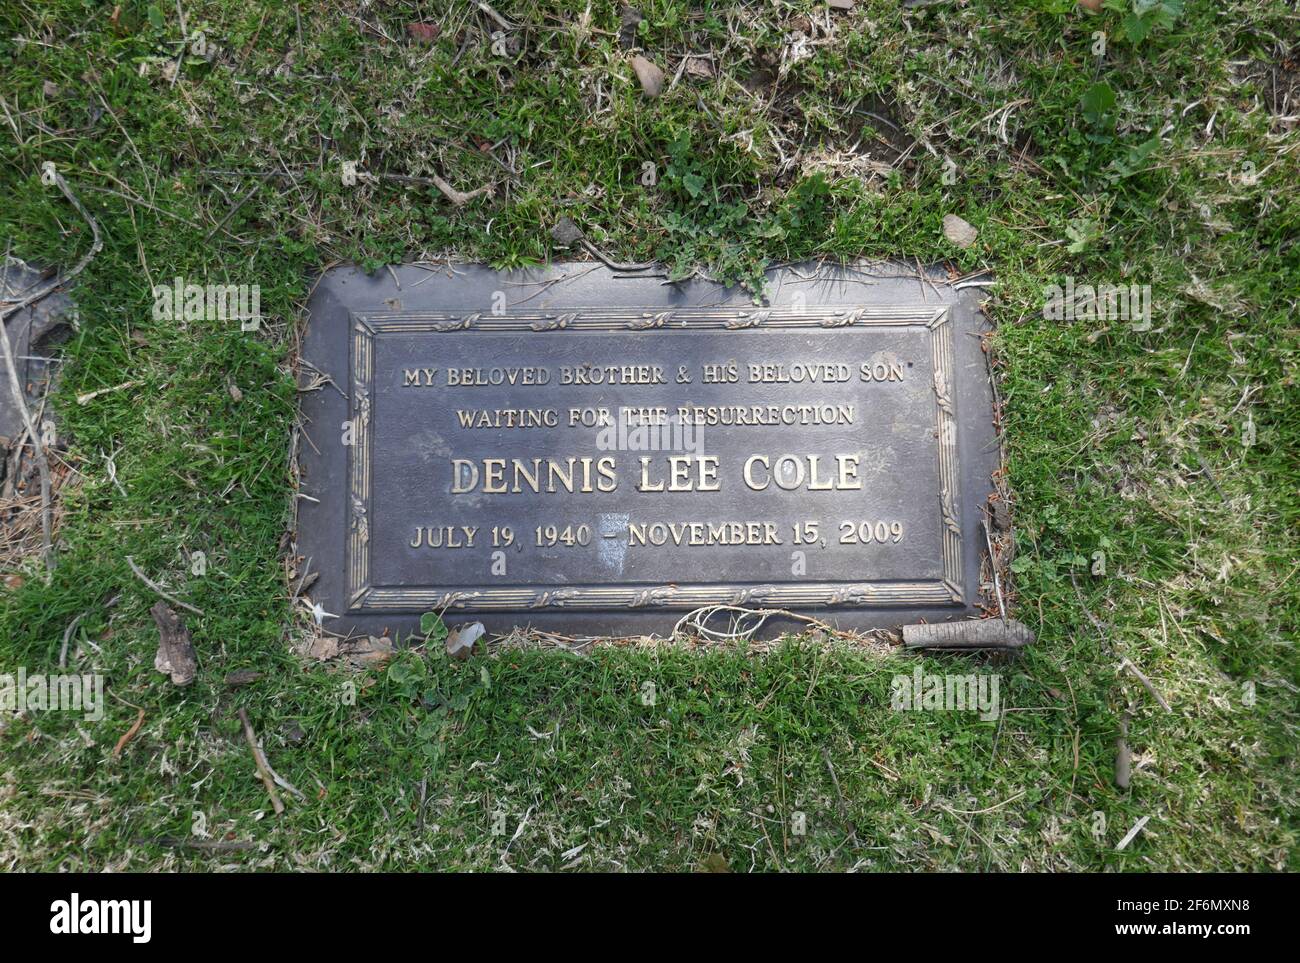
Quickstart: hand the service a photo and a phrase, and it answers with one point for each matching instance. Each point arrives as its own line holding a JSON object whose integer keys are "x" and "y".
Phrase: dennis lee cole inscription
{"x": 609, "y": 453}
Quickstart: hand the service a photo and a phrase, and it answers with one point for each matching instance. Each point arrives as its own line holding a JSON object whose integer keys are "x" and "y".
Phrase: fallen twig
{"x": 616, "y": 265}
{"x": 566, "y": 234}
{"x": 969, "y": 634}
{"x": 458, "y": 198}
{"x": 501, "y": 21}
{"x": 1123, "y": 755}
{"x": 88, "y": 396}
{"x": 157, "y": 588}
{"x": 129, "y": 734}
{"x": 67, "y": 636}
{"x": 263, "y": 769}
{"x": 280, "y": 781}
{"x": 231, "y": 213}
{"x": 1128, "y": 838}
{"x": 1126, "y": 664}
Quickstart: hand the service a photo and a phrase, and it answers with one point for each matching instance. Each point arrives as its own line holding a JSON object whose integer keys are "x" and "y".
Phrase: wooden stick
{"x": 128, "y": 735}
{"x": 969, "y": 634}
{"x": 87, "y": 397}
{"x": 157, "y": 588}
{"x": 1126, "y": 664}
{"x": 501, "y": 21}
{"x": 67, "y": 637}
{"x": 263, "y": 769}
{"x": 458, "y": 198}
{"x": 1128, "y": 838}
{"x": 1123, "y": 755}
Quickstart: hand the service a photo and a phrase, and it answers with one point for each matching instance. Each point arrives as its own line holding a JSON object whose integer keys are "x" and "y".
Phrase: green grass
{"x": 837, "y": 154}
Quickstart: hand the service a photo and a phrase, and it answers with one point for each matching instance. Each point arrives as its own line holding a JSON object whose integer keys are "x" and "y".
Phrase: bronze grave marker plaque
{"x": 593, "y": 454}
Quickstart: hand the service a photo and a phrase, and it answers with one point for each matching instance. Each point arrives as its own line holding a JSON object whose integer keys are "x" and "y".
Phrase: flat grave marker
{"x": 588, "y": 453}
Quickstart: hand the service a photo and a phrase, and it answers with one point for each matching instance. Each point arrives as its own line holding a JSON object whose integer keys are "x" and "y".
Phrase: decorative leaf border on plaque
{"x": 362, "y": 596}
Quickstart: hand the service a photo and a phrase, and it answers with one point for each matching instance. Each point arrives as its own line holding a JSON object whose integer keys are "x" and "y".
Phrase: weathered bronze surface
{"x": 594, "y": 454}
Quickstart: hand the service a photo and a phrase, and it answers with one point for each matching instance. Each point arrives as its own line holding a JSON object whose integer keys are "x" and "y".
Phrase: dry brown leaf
{"x": 699, "y": 68}
{"x": 424, "y": 32}
{"x": 650, "y": 76}
{"x": 323, "y": 648}
{"x": 375, "y": 650}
